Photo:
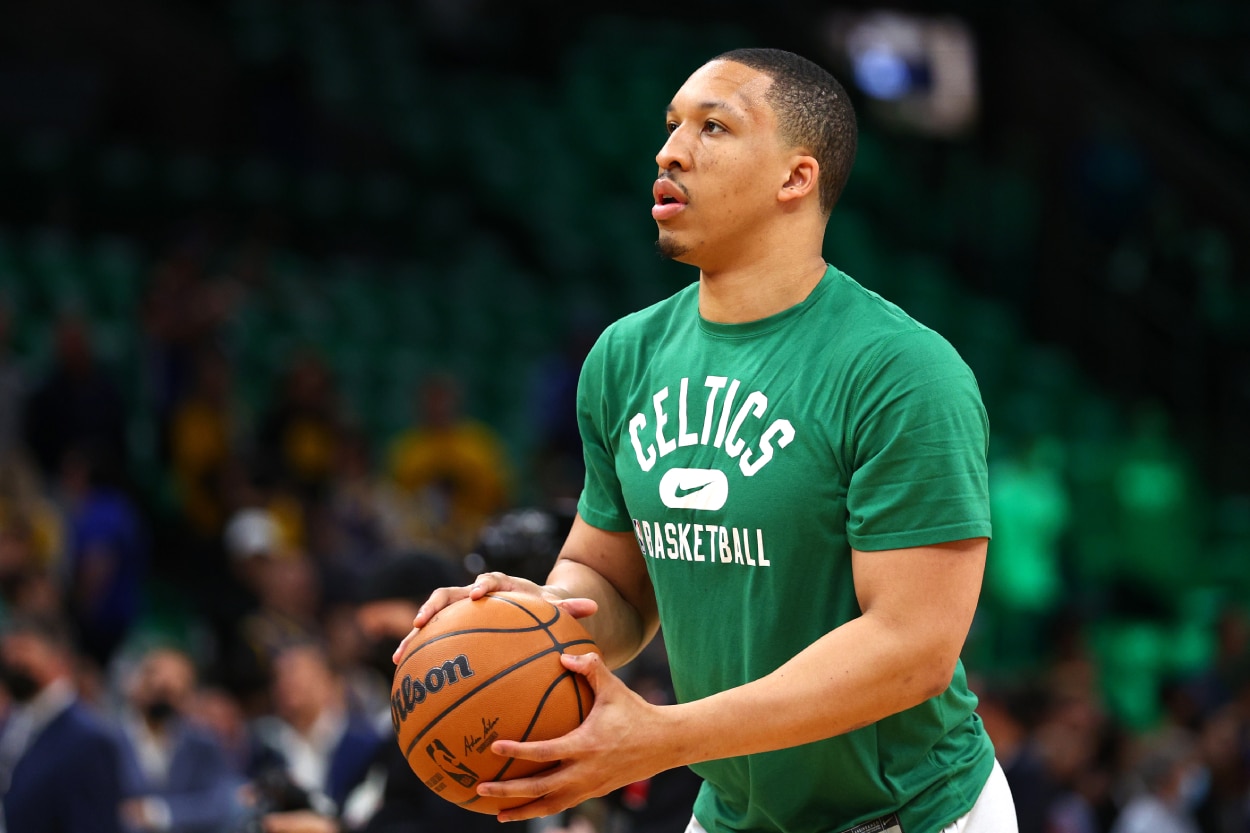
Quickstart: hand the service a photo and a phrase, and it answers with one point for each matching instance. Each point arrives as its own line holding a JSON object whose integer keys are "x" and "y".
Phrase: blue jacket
{"x": 200, "y": 786}
{"x": 348, "y": 764}
{"x": 67, "y": 780}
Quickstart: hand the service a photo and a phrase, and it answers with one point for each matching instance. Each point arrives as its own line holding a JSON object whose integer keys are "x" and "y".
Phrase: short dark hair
{"x": 51, "y": 630}
{"x": 813, "y": 112}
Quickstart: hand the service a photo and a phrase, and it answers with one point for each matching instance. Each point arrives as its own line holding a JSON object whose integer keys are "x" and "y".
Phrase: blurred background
{"x": 292, "y": 291}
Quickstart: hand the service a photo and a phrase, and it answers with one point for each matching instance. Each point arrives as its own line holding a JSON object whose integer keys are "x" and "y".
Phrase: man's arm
{"x": 599, "y": 577}
{"x": 608, "y": 567}
{"x": 917, "y": 607}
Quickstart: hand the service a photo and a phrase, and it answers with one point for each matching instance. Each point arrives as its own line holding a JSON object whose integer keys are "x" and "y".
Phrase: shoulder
{"x": 90, "y": 737}
{"x": 879, "y": 324}
{"x": 80, "y": 719}
{"x": 882, "y": 342}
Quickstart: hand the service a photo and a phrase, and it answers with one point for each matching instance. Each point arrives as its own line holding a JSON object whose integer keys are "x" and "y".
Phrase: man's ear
{"x": 803, "y": 180}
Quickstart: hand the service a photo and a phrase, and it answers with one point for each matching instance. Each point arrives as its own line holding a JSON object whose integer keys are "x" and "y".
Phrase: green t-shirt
{"x": 748, "y": 459}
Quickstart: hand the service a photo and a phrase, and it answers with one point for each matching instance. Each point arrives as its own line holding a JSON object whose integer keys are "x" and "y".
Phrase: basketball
{"x": 485, "y": 670}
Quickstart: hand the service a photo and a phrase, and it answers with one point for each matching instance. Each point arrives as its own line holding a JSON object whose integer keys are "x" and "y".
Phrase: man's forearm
{"x": 618, "y": 628}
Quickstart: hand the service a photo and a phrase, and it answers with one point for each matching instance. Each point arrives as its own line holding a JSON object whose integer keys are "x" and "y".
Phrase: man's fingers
{"x": 483, "y": 584}
{"x": 590, "y": 665}
{"x": 537, "y": 750}
{"x": 578, "y": 608}
{"x": 439, "y": 599}
{"x": 403, "y": 646}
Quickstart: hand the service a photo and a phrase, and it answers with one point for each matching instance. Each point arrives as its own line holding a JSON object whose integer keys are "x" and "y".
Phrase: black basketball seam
{"x": 546, "y": 626}
{"x": 581, "y": 711}
{"x": 538, "y": 710}
{"x": 541, "y": 625}
{"x": 449, "y": 634}
{"x": 497, "y": 676}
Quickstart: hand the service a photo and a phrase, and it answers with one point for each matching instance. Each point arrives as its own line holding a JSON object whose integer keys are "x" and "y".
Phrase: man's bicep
{"x": 928, "y": 589}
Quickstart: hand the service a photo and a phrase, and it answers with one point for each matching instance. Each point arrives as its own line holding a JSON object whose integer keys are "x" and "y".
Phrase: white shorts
{"x": 994, "y": 811}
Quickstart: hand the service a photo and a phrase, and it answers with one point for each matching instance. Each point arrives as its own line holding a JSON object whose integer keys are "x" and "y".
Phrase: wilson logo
{"x": 413, "y": 691}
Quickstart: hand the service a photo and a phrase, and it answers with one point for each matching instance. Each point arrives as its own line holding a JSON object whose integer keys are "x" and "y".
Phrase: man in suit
{"x": 58, "y": 762}
{"x": 174, "y": 773}
{"x": 312, "y": 741}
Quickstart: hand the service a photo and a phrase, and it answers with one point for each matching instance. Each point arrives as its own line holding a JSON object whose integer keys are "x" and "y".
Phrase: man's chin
{"x": 668, "y": 248}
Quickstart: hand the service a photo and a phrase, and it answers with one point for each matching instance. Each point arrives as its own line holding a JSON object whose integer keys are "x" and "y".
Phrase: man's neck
{"x": 739, "y": 295}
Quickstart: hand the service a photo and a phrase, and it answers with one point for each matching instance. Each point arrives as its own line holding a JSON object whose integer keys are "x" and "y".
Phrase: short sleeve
{"x": 920, "y": 439}
{"x": 602, "y": 504}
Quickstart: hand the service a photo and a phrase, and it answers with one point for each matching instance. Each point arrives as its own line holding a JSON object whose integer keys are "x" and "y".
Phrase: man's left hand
{"x": 617, "y": 744}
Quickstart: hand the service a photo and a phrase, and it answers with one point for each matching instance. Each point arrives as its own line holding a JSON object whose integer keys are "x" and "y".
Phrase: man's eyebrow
{"x": 711, "y": 105}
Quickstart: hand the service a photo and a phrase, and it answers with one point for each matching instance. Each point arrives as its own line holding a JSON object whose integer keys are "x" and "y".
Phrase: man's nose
{"x": 673, "y": 154}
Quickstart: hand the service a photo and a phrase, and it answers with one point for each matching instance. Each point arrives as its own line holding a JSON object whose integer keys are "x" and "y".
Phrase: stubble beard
{"x": 670, "y": 249}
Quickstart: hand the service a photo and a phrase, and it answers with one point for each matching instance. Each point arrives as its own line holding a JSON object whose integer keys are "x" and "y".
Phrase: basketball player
{"x": 788, "y": 473}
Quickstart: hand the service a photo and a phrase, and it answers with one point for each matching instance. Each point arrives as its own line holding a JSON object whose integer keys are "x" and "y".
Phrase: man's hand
{"x": 620, "y": 742}
{"x": 145, "y": 813}
{"x": 489, "y": 583}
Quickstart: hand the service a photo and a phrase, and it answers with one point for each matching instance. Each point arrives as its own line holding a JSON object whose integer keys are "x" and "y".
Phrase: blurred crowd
{"x": 1075, "y": 767}
{"x": 205, "y": 646}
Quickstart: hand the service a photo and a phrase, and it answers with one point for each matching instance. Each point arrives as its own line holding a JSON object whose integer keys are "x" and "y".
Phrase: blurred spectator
{"x": 1077, "y": 741}
{"x": 25, "y": 586}
{"x": 558, "y": 465}
{"x": 1169, "y": 783}
{"x": 12, "y": 387}
{"x": 221, "y": 715}
{"x": 300, "y": 433}
{"x": 1229, "y": 671}
{"x": 180, "y": 313}
{"x": 107, "y": 554}
{"x": 202, "y": 442}
{"x": 1226, "y": 808}
{"x": 59, "y": 765}
{"x": 32, "y": 535}
{"x": 1010, "y": 715}
{"x": 288, "y": 596}
{"x": 388, "y": 600}
{"x": 174, "y": 774}
{"x": 313, "y": 746}
{"x": 351, "y": 532}
{"x": 451, "y": 472}
{"x": 77, "y": 405}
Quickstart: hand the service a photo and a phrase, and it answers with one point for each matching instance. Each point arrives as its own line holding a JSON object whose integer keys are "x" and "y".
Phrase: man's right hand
{"x": 489, "y": 583}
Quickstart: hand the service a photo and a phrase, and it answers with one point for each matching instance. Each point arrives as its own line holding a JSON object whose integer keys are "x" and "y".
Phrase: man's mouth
{"x": 670, "y": 199}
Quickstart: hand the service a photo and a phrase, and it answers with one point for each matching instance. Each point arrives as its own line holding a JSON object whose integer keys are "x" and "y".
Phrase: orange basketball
{"x": 483, "y": 671}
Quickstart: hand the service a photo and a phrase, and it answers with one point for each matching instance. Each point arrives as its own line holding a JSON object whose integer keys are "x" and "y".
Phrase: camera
{"x": 273, "y": 791}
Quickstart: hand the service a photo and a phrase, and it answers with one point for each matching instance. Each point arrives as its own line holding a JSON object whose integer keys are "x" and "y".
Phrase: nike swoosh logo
{"x": 705, "y": 489}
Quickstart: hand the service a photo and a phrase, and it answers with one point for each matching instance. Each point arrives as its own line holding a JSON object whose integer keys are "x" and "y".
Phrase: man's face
{"x": 28, "y": 662}
{"x": 164, "y": 676}
{"x": 302, "y": 684}
{"x": 722, "y": 167}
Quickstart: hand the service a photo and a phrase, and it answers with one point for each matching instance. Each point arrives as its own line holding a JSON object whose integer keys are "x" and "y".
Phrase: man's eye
{"x": 669, "y": 127}
{"x": 713, "y": 127}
